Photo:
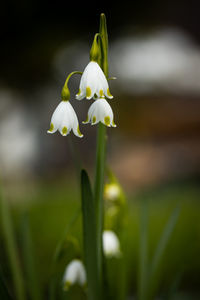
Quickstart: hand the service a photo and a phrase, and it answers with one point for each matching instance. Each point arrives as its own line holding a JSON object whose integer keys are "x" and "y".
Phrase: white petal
{"x": 93, "y": 81}
{"x": 56, "y": 117}
{"x": 75, "y": 273}
{"x": 64, "y": 119}
{"x": 111, "y": 245}
{"x": 105, "y": 111}
{"x": 91, "y": 110}
{"x": 101, "y": 111}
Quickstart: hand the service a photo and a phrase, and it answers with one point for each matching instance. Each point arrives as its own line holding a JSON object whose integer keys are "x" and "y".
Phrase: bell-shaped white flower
{"x": 74, "y": 274}
{"x": 93, "y": 83}
{"x": 111, "y": 244}
{"x": 100, "y": 111}
{"x": 64, "y": 119}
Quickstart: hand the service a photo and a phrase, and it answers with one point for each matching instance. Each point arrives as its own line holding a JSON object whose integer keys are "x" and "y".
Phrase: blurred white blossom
{"x": 74, "y": 274}
{"x": 112, "y": 191}
{"x": 111, "y": 244}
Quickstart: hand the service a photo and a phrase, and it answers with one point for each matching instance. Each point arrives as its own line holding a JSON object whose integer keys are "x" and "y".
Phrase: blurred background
{"x": 154, "y": 51}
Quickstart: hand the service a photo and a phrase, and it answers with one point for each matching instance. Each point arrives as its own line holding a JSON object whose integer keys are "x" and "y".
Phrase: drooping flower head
{"x": 64, "y": 120}
{"x": 74, "y": 274}
{"x": 100, "y": 111}
{"x": 93, "y": 83}
{"x": 111, "y": 245}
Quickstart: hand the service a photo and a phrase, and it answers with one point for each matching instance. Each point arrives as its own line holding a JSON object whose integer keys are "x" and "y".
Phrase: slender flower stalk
{"x": 100, "y": 154}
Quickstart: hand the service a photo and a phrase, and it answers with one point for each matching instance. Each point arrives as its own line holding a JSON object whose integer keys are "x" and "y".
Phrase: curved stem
{"x": 70, "y": 75}
{"x": 65, "y": 94}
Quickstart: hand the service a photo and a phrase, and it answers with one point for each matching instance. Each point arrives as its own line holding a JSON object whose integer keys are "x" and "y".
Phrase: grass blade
{"x": 29, "y": 261}
{"x": 66, "y": 232}
{"x": 143, "y": 252}
{"x": 11, "y": 249}
{"x": 162, "y": 244}
{"x": 4, "y": 293}
{"x": 89, "y": 237}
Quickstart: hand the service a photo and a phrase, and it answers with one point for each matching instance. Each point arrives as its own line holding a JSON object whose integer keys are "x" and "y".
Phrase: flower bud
{"x": 95, "y": 49}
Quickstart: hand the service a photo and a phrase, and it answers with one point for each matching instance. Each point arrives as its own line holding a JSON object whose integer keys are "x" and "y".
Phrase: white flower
{"x": 74, "y": 274}
{"x": 100, "y": 111}
{"x": 111, "y": 245}
{"x": 111, "y": 191}
{"x": 64, "y": 119}
{"x": 93, "y": 83}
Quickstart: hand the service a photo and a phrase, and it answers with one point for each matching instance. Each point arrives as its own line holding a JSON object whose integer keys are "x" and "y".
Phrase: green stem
{"x": 65, "y": 94}
{"x": 98, "y": 192}
{"x": 143, "y": 252}
{"x": 100, "y": 155}
{"x": 32, "y": 280}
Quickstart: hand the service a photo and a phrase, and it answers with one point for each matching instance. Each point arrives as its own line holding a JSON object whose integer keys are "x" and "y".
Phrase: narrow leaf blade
{"x": 161, "y": 247}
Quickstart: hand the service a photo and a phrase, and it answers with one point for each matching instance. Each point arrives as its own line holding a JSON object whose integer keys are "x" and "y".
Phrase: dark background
{"x": 31, "y": 31}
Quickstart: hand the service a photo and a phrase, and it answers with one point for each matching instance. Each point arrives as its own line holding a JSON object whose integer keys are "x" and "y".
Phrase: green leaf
{"x": 66, "y": 236}
{"x": 4, "y": 293}
{"x": 66, "y": 249}
{"x": 12, "y": 251}
{"x": 29, "y": 261}
{"x": 104, "y": 39}
{"x": 161, "y": 247}
{"x": 89, "y": 237}
{"x": 143, "y": 252}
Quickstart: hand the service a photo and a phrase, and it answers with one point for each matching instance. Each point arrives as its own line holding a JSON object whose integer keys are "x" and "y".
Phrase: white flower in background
{"x": 111, "y": 191}
{"x": 100, "y": 111}
{"x": 64, "y": 119}
{"x": 74, "y": 274}
{"x": 93, "y": 83}
{"x": 111, "y": 245}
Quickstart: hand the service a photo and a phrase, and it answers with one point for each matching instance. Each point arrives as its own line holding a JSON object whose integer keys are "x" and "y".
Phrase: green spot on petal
{"x": 87, "y": 120}
{"x": 88, "y": 92}
{"x": 101, "y": 93}
{"x": 94, "y": 120}
{"x": 108, "y": 93}
{"x": 113, "y": 124}
{"x": 78, "y": 130}
{"x": 79, "y": 92}
{"x": 64, "y": 130}
{"x": 107, "y": 120}
{"x": 51, "y": 127}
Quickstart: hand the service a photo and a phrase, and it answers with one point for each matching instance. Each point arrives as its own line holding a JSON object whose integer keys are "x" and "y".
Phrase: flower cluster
{"x": 93, "y": 84}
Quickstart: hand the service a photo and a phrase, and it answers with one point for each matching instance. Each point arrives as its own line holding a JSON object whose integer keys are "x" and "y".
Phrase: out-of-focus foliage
{"x": 54, "y": 218}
